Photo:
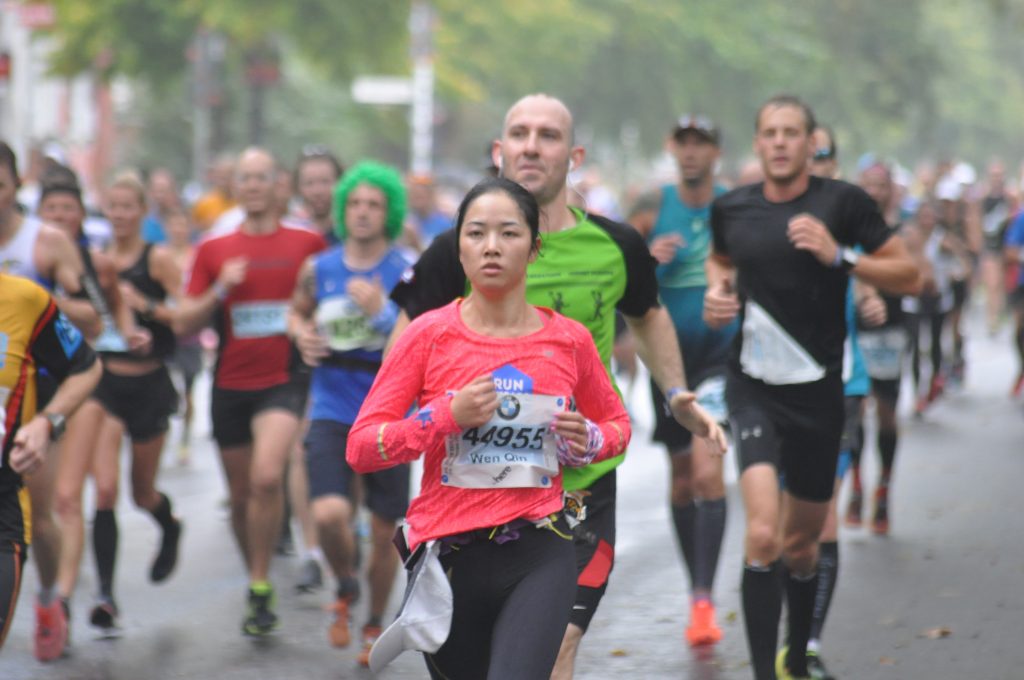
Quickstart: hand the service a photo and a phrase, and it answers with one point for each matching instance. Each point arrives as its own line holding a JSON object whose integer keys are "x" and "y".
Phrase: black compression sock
{"x": 855, "y": 450}
{"x": 684, "y": 517}
{"x": 887, "y": 440}
{"x": 162, "y": 513}
{"x": 104, "y": 545}
{"x": 828, "y": 572}
{"x": 762, "y": 607}
{"x": 348, "y": 588}
{"x": 800, "y": 594}
{"x": 709, "y": 529}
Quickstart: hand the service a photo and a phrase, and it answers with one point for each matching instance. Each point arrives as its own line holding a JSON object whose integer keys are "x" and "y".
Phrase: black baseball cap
{"x": 702, "y": 125}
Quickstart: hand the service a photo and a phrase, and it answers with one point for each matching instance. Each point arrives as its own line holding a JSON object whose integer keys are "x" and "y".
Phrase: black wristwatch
{"x": 57, "y": 424}
{"x": 848, "y": 258}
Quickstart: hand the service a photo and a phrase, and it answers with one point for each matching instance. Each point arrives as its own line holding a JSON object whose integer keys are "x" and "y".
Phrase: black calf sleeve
{"x": 104, "y": 544}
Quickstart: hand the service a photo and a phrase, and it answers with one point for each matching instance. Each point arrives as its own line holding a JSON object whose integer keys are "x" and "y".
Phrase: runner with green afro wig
{"x": 379, "y": 176}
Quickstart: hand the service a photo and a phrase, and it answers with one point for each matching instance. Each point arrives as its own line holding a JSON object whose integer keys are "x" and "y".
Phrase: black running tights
{"x": 12, "y": 561}
{"x": 512, "y": 604}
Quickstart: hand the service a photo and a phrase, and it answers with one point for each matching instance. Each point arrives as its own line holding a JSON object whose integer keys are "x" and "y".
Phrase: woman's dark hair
{"x": 67, "y": 188}
{"x": 7, "y": 158}
{"x": 60, "y": 179}
{"x": 524, "y": 200}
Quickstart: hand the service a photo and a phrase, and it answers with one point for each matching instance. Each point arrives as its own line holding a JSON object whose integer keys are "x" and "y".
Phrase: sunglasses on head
{"x": 689, "y": 122}
{"x": 312, "y": 150}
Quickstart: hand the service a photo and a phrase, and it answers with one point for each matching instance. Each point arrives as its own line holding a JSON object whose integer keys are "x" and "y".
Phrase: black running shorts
{"x": 232, "y": 411}
{"x": 144, "y": 403}
{"x": 888, "y": 390}
{"x": 667, "y": 429}
{"x": 796, "y": 428}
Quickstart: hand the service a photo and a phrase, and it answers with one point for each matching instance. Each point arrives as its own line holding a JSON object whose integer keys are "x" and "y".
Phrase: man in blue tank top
{"x": 676, "y": 225}
{"x": 340, "y": 318}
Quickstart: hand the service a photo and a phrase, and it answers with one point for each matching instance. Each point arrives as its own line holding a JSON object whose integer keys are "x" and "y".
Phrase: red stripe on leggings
{"x": 596, "y": 573}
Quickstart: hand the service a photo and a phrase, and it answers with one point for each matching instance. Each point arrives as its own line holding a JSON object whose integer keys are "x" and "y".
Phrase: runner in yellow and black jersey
{"x": 33, "y": 333}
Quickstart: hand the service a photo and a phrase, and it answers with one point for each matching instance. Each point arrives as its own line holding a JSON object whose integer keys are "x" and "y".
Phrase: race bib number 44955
{"x": 514, "y": 449}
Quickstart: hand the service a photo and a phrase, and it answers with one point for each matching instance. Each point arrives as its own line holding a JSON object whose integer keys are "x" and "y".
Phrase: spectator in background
{"x": 317, "y": 172}
{"x": 187, "y": 361}
{"x": 220, "y": 197}
{"x": 994, "y": 210}
{"x": 283, "y": 192}
{"x": 750, "y": 172}
{"x": 958, "y": 238}
{"x": 596, "y": 196}
{"x": 42, "y": 160}
{"x": 426, "y": 219}
{"x": 824, "y": 162}
{"x": 164, "y": 200}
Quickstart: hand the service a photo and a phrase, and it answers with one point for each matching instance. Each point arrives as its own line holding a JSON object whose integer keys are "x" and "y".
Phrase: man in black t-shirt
{"x": 781, "y": 260}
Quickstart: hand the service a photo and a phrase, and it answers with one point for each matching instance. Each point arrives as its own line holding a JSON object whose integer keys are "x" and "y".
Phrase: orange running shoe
{"x": 51, "y": 630}
{"x": 937, "y": 388}
{"x": 338, "y": 633}
{"x": 370, "y": 635}
{"x": 702, "y": 629}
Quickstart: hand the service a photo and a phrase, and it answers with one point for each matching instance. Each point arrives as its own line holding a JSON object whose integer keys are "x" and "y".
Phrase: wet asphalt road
{"x": 954, "y": 564}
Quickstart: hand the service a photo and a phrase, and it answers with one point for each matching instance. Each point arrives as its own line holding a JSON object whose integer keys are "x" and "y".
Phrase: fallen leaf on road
{"x": 620, "y": 652}
{"x": 730, "y": 617}
{"x": 936, "y": 633}
{"x": 887, "y": 661}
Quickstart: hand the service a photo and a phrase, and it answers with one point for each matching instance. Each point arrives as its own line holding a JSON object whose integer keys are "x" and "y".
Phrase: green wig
{"x": 379, "y": 176}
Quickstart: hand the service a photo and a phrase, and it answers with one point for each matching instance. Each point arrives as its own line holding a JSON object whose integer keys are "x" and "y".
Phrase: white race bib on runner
{"x": 515, "y": 449}
{"x": 993, "y": 220}
{"x": 883, "y": 351}
{"x": 771, "y": 354}
{"x": 261, "y": 319}
{"x": 346, "y": 327}
{"x": 110, "y": 339}
{"x": 711, "y": 397}
{"x": 847, "y": 360}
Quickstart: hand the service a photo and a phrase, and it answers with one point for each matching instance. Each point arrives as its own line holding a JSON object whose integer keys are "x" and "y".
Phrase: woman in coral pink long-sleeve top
{"x": 496, "y": 381}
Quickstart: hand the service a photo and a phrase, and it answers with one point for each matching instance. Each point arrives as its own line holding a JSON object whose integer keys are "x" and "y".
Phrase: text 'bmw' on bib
{"x": 515, "y": 448}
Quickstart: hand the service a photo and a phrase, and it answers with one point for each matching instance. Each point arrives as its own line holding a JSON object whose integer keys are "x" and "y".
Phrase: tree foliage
{"x": 150, "y": 39}
{"x": 909, "y": 77}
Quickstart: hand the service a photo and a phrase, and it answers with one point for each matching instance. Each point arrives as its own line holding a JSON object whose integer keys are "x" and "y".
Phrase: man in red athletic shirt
{"x": 243, "y": 281}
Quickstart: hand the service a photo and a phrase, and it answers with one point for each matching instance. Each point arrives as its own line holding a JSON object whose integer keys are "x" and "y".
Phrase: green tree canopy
{"x": 900, "y": 78}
